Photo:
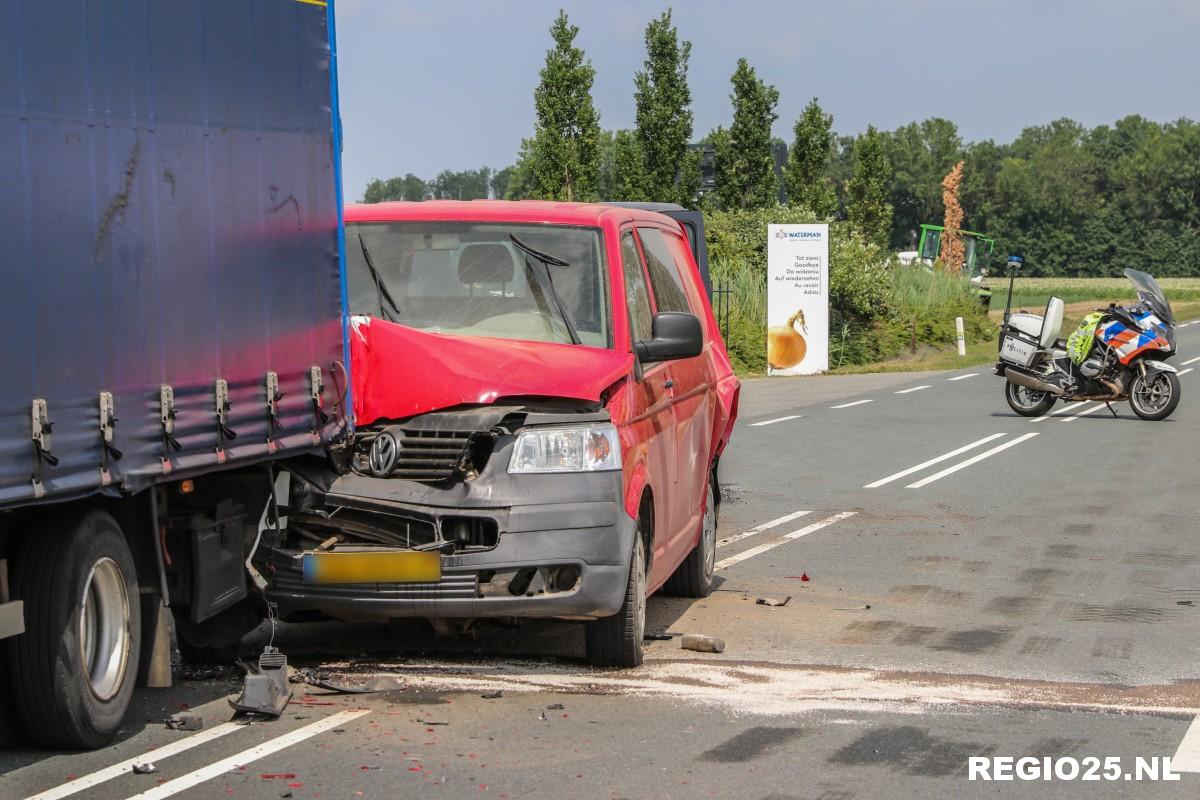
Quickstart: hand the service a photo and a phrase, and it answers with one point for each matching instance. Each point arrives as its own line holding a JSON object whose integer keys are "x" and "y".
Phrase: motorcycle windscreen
{"x": 1150, "y": 293}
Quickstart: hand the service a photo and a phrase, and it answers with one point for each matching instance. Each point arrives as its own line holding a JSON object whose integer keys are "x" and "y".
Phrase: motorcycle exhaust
{"x": 1031, "y": 382}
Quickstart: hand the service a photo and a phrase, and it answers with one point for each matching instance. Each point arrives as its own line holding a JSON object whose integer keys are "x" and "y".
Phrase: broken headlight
{"x": 576, "y": 448}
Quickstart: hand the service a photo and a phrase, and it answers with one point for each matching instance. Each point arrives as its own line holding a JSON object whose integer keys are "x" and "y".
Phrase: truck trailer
{"x": 172, "y": 326}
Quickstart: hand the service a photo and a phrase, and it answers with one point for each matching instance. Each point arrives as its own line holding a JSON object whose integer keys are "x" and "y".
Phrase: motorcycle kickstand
{"x": 1113, "y": 410}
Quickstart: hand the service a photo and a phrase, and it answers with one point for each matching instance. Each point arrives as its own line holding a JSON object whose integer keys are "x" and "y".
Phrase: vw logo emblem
{"x": 383, "y": 455}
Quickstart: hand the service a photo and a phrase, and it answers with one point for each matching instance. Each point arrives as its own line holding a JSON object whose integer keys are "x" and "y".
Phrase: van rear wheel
{"x": 617, "y": 641}
{"x": 694, "y": 576}
{"x": 76, "y": 663}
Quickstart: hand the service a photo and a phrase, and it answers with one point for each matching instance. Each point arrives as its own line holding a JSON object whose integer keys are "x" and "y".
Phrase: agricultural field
{"x": 1032, "y": 292}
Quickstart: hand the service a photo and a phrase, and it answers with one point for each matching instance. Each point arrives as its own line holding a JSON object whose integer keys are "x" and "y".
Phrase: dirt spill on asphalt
{"x": 771, "y": 689}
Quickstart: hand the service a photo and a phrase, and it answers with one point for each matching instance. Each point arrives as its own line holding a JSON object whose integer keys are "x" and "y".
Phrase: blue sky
{"x": 427, "y": 86}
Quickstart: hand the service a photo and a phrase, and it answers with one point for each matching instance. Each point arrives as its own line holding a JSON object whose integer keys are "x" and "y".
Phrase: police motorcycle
{"x": 1116, "y": 353}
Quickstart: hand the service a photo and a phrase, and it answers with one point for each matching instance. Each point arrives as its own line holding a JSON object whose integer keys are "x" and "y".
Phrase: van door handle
{"x": 668, "y": 384}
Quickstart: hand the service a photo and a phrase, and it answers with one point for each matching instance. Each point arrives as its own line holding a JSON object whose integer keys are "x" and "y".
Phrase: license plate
{"x": 1017, "y": 351}
{"x": 372, "y": 567}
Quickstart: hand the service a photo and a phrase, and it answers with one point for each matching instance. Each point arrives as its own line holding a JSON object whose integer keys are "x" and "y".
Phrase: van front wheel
{"x": 616, "y": 641}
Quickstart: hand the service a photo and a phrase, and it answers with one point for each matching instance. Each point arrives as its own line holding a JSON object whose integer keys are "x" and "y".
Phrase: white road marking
{"x": 1186, "y": 371}
{"x": 1191, "y": 361}
{"x": 773, "y": 421}
{"x": 245, "y": 757}
{"x": 1066, "y": 409}
{"x": 1084, "y": 413}
{"x": 972, "y": 460}
{"x": 787, "y": 537}
{"x": 932, "y": 461}
{"x": 913, "y": 389}
{"x": 1187, "y": 756}
{"x": 766, "y": 526}
{"x": 963, "y": 377}
{"x": 122, "y": 768}
{"x": 855, "y": 403}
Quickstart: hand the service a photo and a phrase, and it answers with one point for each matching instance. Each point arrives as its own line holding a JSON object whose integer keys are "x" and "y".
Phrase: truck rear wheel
{"x": 76, "y": 663}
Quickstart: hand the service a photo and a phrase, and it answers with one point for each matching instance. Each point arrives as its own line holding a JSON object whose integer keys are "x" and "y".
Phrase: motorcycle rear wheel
{"x": 1155, "y": 396}
{"x": 1027, "y": 402}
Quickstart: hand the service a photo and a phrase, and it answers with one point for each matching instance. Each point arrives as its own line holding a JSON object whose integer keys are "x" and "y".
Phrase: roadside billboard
{"x": 797, "y": 299}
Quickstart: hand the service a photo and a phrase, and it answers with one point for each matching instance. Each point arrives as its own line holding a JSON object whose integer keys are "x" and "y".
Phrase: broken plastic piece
{"x": 657, "y": 637}
{"x": 496, "y": 695}
{"x": 144, "y": 768}
{"x": 702, "y": 644}
{"x": 185, "y": 721}
{"x": 774, "y": 602}
{"x": 265, "y": 690}
{"x": 804, "y": 576}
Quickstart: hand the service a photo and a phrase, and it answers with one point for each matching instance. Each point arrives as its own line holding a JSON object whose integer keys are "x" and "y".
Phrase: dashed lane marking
{"x": 932, "y": 461}
{"x": 124, "y": 767}
{"x": 855, "y": 403}
{"x": 913, "y": 389}
{"x": 972, "y": 460}
{"x": 1084, "y": 413}
{"x": 1191, "y": 361}
{"x": 773, "y": 421}
{"x": 963, "y": 377}
{"x": 766, "y": 526}
{"x": 245, "y": 757}
{"x": 1067, "y": 409}
{"x": 1187, "y": 757}
{"x": 1186, "y": 371}
{"x": 787, "y": 537}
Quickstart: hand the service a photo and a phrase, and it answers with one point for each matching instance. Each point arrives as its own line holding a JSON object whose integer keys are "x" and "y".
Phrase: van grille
{"x": 429, "y": 455}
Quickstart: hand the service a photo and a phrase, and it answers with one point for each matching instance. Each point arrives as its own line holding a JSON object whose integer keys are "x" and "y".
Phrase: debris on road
{"x": 658, "y": 637}
{"x": 866, "y": 607}
{"x": 379, "y": 683}
{"x": 277, "y": 776}
{"x": 702, "y": 644}
{"x": 432, "y": 722}
{"x": 774, "y": 602}
{"x": 144, "y": 768}
{"x": 555, "y": 707}
{"x": 265, "y": 690}
{"x": 496, "y": 695}
{"x": 185, "y": 721}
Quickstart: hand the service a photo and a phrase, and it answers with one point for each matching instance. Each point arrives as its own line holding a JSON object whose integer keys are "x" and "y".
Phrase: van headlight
{"x": 575, "y": 448}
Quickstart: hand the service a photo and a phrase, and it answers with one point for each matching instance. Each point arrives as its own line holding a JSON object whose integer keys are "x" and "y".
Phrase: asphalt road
{"x": 979, "y": 585}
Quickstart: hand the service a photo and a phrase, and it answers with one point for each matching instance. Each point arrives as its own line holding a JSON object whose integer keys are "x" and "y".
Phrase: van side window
{"x": 664, "y": 276}
{"x": 636, "y": 294}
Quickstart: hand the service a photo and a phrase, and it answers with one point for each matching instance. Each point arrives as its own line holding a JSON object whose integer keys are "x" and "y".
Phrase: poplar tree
{"x": 868, "y": 208}
{"x": 670, "y": 171}
{"x": 744, "y": 164}
{"x": 806, "y": 175}
{"x": 565, "y": 157}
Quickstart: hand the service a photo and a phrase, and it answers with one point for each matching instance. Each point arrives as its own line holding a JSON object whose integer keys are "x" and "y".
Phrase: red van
{"x": 541, "y": 398}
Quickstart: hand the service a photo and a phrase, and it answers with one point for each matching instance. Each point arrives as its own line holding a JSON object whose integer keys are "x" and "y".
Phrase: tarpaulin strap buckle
{"x": 166, "y": 417}
{"x": 224, "y": 432}
{"x": 108, "y": 451}
{"x": 316, "y": 385}
{"x": 41, "y": 428}
{"x": 273, "y": 398}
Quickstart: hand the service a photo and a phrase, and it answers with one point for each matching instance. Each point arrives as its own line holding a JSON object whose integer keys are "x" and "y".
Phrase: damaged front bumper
{"x": 549, "y": 546}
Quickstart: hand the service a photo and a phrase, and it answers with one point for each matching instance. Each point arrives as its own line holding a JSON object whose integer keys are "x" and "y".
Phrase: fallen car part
{"x": 773, "y": 602}
{"x": 702, "y": 644}
{"x": 265, "y": 690}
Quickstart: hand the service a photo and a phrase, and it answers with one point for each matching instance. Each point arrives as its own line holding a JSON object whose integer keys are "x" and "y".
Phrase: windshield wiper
{"x": 546, "y": 284}
{"x": 380, "y": 287}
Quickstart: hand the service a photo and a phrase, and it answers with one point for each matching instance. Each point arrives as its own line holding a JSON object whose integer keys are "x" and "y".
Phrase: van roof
{"x": 534, "y": 211}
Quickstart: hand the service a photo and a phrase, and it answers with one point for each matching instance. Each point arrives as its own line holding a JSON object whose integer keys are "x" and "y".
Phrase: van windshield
{"x": 539, "y": 283}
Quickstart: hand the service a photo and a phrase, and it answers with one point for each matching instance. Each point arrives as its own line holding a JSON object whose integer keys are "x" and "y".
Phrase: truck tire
{"x": 10, "y": 726}
{"x": 694, "y": 577}
{"x": 617, "y": 641}
{"x": 76, "y": 664}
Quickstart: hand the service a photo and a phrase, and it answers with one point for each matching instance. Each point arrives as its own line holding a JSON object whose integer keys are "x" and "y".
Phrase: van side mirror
{"x": 674, "y": 335}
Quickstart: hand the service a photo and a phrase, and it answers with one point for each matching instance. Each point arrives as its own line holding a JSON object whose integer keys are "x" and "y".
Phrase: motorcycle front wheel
{"x": 1026, "y": 401}
{"x": 1155, "y": 395}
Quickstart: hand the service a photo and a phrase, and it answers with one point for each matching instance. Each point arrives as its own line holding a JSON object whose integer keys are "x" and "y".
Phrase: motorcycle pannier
{"x": 1018, "y": 347}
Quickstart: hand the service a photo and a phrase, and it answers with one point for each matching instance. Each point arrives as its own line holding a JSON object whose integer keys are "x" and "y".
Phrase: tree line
{"x": 1073, "y": 201}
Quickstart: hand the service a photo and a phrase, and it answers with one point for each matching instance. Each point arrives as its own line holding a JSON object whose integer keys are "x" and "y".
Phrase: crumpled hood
{"x": 398, "y": 371}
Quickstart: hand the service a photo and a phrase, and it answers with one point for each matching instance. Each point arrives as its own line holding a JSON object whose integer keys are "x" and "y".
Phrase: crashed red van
{"x": 541, "y": 398}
